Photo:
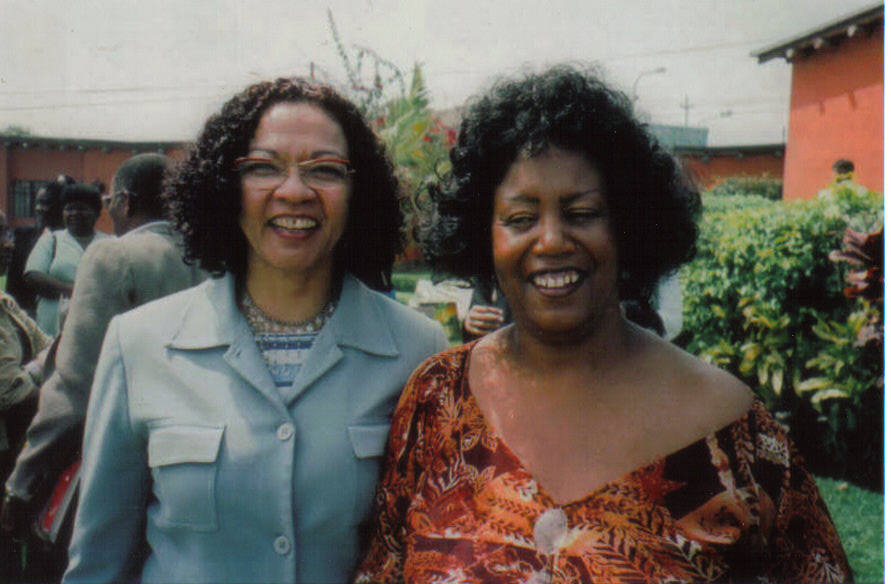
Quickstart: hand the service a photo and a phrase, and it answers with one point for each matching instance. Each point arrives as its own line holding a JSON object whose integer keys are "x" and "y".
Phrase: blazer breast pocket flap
{"x": 369, "y": 440}
{"x": 183, "y": 444}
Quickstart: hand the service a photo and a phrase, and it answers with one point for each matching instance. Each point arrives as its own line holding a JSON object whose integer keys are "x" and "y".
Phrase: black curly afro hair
{"x": 652, "y": 205}
{"x": 204, "y": 195}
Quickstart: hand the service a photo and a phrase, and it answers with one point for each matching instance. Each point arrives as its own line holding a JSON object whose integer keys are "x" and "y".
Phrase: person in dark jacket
{"x": 47, "y": 216}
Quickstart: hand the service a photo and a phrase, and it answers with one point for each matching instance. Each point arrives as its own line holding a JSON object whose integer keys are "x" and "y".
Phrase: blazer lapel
{"x": 357, "y": 323}
{"x": 244, "y": 358}
{"x": 213, "y": 321}
{"x": 324, "y": 355}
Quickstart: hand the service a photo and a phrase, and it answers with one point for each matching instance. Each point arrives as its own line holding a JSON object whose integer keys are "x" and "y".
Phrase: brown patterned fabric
{"x": 456, "y": 505}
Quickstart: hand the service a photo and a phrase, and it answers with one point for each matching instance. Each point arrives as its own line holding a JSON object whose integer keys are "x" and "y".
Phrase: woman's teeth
{"x": 294, "y": 222}
{"x": 555, "y": 279}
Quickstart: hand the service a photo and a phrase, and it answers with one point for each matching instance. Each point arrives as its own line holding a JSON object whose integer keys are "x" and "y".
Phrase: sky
{"x": 156, "y": 69}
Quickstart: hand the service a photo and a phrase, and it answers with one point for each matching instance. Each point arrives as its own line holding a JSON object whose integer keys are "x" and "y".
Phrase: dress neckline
{"x": 629, "y": 477}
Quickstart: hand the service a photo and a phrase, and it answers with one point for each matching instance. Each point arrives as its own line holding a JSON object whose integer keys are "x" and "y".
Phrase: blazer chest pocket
{"x": 369, "y": 443}
{"x": 183, "y": 464}
{"x": 369, "y": 440}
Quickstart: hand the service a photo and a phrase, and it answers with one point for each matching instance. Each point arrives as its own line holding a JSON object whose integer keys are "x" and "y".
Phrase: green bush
{"x": 763, "y": 300}
{"x": 407, "y": 281}
{"x": 416, "y": 139}
{"x": 718, "y": 204}
{"x": 761, "y": 186}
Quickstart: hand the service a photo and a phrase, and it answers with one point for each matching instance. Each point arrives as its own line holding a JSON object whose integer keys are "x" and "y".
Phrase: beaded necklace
{"x": 262, "y": 323}
{"x": 284, "y": 345}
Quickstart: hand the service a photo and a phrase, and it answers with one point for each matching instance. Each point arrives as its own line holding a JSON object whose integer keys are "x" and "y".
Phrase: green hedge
{"x": 407, "y": 281}
{"x": 718, "y": 204}
{"x": 763, "y": 301}
{"x": 763, "y": 186}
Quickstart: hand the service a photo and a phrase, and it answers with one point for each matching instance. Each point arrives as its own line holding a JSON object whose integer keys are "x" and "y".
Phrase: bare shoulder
{"x": 706, "y": 391}
{"x": 490, "y": 351}
{"x": 487, "y": 364}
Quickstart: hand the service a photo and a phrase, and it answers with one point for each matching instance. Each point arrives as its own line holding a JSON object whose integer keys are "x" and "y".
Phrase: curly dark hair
{"x": 652, "y": 205}
{"x": 204, "y": 195}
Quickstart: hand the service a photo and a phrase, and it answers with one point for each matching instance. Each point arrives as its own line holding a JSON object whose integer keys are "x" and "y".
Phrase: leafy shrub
{"x": 848, "y": 389}
{"x": 764, "y": 301}
{"x": 718, "y": 204}
{"x": 407, "y": 281}
{"x": 860, "y": 208}
{"x": 418, "y": 143}
{"x": 760, "y": 186}
{"x": 417, "y": 140}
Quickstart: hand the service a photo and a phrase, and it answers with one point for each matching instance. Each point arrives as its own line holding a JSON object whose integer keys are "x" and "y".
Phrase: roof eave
{"x": 818, "y": 35}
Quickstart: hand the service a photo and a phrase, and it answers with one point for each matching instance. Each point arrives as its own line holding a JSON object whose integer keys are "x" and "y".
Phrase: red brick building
{"x": 709, "y": 165}
{"x": 27, "y": 162}
{"x": 837, "y": 100}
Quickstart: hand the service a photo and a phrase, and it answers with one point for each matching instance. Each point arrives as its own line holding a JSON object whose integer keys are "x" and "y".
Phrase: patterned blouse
{"x": 456, "y": 505}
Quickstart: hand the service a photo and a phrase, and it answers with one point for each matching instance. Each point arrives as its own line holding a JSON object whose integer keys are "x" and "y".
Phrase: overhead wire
{"x": 37, "y": 107}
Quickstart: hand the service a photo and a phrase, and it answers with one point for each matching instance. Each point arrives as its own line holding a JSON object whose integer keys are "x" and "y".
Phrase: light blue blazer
{"x": 198, "y": 469}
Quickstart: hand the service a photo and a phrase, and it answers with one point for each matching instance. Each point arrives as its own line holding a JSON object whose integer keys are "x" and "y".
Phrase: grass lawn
{"x": 859, "y": 517}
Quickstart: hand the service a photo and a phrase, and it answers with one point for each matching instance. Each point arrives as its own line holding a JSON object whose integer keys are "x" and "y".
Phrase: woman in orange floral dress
{"x": 573, "y": 445}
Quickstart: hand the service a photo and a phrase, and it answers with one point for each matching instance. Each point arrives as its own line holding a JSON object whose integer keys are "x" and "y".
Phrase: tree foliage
{"x": 416, "y": 139}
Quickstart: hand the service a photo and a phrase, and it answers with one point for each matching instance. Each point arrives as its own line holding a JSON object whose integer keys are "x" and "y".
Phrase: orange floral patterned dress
{"x": 456, "y": 505}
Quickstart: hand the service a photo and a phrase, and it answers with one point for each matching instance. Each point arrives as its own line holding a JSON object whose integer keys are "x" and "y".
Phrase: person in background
{"x": 47, "y": 217}
{"x": 21, "y": 341}
{"x": 114, "y": 276}
{"x": 235, "y": 429}
{"x": 842, "y": 170}
{"x": 488, "y": 310}
{"x": 52, "y": 263}
{"x": 574, "y": 445}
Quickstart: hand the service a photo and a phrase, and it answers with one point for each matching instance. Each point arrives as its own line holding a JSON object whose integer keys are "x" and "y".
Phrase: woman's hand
{"x": 481, "y": 320}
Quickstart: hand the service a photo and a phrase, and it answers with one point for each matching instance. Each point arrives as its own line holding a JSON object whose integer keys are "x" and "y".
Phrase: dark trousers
{"x": 31, "y": 560}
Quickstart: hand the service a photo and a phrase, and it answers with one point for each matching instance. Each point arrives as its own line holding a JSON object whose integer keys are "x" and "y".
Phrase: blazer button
{"x": 285, "y": 431}
{"x": 281, "y": 545}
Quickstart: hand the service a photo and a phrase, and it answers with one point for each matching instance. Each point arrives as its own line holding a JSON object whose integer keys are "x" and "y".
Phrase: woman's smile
{"x": 294, "y": 228}
{"x": 294, "y": 223}
{"x": 561, "y": 282}
{"x": 552, "y": 247}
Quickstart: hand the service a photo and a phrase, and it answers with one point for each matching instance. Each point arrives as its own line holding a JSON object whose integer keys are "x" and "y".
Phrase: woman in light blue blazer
{"x": 235, "y": 429}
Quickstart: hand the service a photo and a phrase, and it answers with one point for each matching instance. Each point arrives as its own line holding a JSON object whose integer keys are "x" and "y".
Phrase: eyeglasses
{"x": 318, "y": 173}
{"x": 109, "y": 198}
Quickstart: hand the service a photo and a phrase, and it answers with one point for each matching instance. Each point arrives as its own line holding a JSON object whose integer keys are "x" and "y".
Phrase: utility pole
{"x": 686, "y": 107}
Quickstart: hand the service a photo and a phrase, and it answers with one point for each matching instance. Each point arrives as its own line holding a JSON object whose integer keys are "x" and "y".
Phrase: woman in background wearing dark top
{"x": 47, "y": 216}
